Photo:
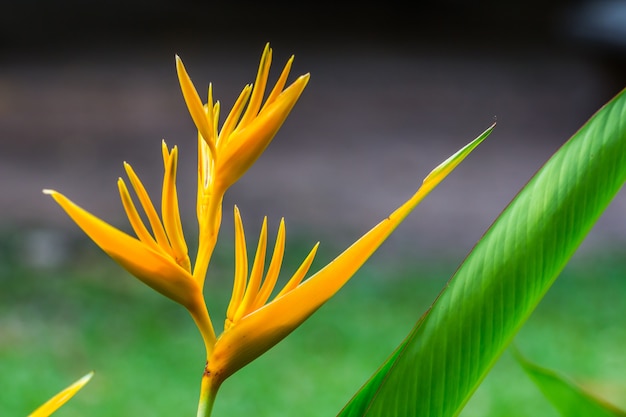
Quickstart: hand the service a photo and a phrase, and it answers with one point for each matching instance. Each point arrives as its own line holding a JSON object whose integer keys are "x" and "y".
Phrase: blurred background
{"x": 394, "y": 90}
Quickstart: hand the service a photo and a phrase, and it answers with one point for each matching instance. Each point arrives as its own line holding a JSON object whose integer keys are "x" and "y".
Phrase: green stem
{"x": 208, "y": 391}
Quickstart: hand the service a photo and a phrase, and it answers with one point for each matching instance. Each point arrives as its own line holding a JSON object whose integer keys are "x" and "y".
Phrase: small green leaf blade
{"x": 440, "y": 364}
{"x": 570, "y": 399}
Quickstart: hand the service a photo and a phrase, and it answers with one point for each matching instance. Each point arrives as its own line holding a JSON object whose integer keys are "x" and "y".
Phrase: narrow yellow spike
{"x": 280, "y": 84}
{"x": 233, "y": 117}
{"x": 300, "y": 273}
{"x": 256, "y": 275}
{"x": 204, "y": 168}
{"x": 170, "y": 211}
{"x": 194, "y": 104}
{"x": 241, "y": 268}
{"x": 135, "y": 219}
{"x": 274, "y": 269}
{"x": 61, "y": 398}
{"x": 165, "y": 152}
{"x": 258, "y": 90}
{"x": 216, "y": 121}
{"x": 208, "y": 109}
{"x": 148, "y": 208}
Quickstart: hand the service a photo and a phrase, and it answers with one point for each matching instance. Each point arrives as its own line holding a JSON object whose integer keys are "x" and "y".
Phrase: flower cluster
{"x": 158, "y": 254}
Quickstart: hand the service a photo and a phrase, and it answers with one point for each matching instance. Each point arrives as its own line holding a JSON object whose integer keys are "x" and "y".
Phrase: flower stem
{"x": 200, "y": 315}
{"x": 209, "y": 229}
{"x": 208, "y": 391}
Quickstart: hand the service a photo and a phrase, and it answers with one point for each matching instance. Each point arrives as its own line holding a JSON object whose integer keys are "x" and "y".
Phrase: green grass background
{"x": 56, "y": 324}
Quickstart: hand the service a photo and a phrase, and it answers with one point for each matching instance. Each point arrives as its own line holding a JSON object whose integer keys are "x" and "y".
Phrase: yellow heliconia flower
{"x": 159, "y": 256}
{"x": 61, "y": 398}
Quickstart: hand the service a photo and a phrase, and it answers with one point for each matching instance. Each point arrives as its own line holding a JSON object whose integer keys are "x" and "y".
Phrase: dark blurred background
{"x": 39, "y": 24}
{"x": 395, "y": 88}
{"x": 36, "y": 25}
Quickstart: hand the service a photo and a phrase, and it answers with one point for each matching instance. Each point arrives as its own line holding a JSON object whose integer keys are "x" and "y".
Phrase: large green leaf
{"x": 443, "y": 360}
{"x": 570, "y": 399}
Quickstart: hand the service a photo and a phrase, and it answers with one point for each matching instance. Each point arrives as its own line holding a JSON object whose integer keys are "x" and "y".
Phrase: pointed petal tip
{"x": 297, "y": 87}
{"x": 180, "y": 67}
{"x": 86, "y": 378}
{"x": 54, "y": 403}
{"x": 447, "y": 166}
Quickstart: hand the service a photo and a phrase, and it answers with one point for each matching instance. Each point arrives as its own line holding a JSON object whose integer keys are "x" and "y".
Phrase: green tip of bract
{"x": 453, "y": 161}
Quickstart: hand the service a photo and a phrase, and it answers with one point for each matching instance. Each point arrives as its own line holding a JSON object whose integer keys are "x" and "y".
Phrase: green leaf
{"x": 570, "y": 399}
{"x": 445, "y": 357}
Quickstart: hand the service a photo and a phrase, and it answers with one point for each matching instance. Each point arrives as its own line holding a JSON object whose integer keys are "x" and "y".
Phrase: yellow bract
{"x": 61, "y": 398}
{"x": 252, "y": 328}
